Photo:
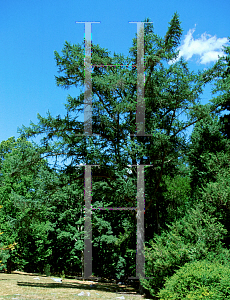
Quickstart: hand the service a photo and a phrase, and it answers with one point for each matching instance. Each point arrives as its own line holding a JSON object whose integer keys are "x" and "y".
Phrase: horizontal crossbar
{"x": 115, "y": 208}
{"x": 114, "y": 65}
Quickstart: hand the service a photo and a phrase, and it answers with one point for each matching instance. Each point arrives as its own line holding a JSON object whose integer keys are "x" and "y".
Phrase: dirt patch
{"x": 21, "y": 285}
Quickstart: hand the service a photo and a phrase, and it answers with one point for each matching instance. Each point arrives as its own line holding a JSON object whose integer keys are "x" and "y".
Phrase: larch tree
{"x": 170, "y": 90}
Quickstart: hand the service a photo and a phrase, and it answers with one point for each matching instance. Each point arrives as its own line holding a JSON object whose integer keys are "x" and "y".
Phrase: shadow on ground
{"x": 106, "y": 287}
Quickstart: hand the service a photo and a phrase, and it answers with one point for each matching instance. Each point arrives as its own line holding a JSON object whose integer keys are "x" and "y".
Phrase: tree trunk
{"x": 9, "y": 265}
{"x": 157, "y": 217}
{"x": 82, "y": 264}
{"x": 141, "y": 289}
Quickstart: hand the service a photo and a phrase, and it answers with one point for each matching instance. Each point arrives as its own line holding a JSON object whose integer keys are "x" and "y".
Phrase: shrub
{"x": 198, "y": 280}
{"x": 195, "y": 237}
{"x": 63, "y": 275}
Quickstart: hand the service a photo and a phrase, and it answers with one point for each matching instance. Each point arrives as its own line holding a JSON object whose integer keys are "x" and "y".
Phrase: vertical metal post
{"x": 88, "y": 80}
{"x": 140, "y": 116}
{"x": 140, "y": 113}
{"x": 140, "y": 258}
{"x": 88, "y": 226}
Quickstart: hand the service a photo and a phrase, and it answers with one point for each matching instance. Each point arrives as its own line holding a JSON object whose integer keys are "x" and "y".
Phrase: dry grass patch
{"x": 21, "y": 285}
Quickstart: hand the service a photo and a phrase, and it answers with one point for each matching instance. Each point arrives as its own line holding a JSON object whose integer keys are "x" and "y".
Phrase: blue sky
{"x": 31, "y": 31}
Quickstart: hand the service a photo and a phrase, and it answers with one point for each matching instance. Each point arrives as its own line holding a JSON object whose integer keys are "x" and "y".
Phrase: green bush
{"x": 198, "y": 280}
{"x": 63, "y": 275}
{"x": 195, "y": 237}
{"x": 4, "y": 255}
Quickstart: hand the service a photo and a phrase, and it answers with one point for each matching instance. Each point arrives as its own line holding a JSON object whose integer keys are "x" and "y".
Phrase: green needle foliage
{"x": 170, "y": 89}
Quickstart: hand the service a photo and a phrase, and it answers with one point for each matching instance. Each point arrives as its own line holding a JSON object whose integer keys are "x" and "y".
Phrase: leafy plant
{"x": 5, "y": 254}
{"x": 198, "y": 280}
{"x": 192, "y": 238}
{"x": 62, "y": 274}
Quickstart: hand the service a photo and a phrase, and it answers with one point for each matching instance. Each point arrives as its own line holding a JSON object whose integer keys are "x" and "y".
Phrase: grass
{"x": 21, "y": 285}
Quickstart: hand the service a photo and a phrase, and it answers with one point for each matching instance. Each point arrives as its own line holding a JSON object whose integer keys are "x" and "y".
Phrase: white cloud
{"x": 207, "y": 47}
{"x": 210, "y": 56}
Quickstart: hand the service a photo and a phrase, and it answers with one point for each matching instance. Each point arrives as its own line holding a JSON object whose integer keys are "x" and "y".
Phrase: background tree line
{"x": 186, "y": 189}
